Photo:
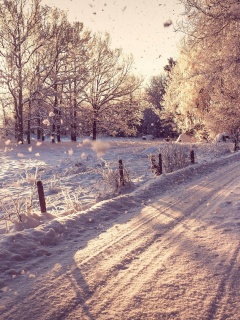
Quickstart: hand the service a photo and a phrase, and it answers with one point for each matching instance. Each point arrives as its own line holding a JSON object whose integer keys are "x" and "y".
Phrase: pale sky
{"x": 136, "y": 26}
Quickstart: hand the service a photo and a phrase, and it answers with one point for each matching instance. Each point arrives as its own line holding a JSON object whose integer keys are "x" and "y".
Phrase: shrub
{"x": 110, "y": 182}
{"x": 175, "y": 156}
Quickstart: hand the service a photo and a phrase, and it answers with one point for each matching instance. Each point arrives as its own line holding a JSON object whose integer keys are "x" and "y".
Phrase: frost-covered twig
{"x": 13, "y": 206}
{"x": 175, "y": 156}
{"x": 111, "y": 181}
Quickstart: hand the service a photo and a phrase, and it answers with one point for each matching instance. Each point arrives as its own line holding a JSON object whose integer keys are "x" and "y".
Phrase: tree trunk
{"x": 20, "y": 100}
{"x": 57, "y": 118}
{"x": 28, "y": 131}
{"x": 5, "y": 121}
{"x": 94, "y": 132}
{"x": 20, "y": 125}
{"x": 16, "y": 126}
{"x": 29, "y": 124}
{"x": 53, "y": 131}
{"x": 58, "y": 126}
{"x": 59, "y": 115}
{"x": 74, "y": 127}
{"x": 55, "y": 113}
{"x": 38, "y": 128}
{"x": 19, "y": 119}
{"x": 74, "y": 119}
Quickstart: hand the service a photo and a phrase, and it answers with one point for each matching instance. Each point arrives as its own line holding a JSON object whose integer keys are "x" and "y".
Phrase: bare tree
{"x": 54, "y": 71}
{"x": 20, "y": 39}
{"x": 110, "y": 79}
{"x": 60, "y": 30}
{"x": 77, "y": 76}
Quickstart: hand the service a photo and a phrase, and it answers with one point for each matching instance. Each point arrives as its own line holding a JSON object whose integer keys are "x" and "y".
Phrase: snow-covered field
{"x": 165, "y": 247}
{"x": 74, "y": 175}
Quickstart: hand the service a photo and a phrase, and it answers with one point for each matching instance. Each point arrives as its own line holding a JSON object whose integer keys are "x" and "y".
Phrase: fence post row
{"x": 158, "y": 168}
{"x": 120, "y": 166}
{"x": 41, "y": 197}
{"x": 158, "y": 171}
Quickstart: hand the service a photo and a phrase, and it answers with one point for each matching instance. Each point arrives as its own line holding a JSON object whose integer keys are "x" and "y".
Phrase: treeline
{"x": 58, "y": 78}
{"x": 203, "y": 94}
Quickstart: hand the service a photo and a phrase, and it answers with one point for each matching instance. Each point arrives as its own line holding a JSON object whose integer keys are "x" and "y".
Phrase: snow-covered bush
{"x": 72, "y": 202}
{"x": 111, "y": 182}
{"x": 12, "y": 208}
{"x": 175, "y": 156}
{"x": 27, "y": 178}
{"x": 54, "y": 185}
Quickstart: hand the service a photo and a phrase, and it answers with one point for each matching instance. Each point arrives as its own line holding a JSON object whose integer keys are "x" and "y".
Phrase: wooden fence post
{"x": 41, "y": 197}
{"x": 192, "y": 156}
{"x": 160, "y": 164}
{"x": 153, "y": 163}
{"x": 156, "y": 168}
{"x": 120, "y": 166}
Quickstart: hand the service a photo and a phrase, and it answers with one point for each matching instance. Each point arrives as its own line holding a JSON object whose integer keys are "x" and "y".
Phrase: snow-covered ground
{"x": 74, "y": 175}
{"x": 165, "y": 247}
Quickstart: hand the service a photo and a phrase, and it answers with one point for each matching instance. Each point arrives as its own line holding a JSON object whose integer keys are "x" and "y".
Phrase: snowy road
{"x": 174, "y": 256}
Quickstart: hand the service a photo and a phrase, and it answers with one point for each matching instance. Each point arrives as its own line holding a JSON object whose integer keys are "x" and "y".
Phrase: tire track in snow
{"x": 128, "y": 292}
{"x": 227, "y": 281}
{"x": 131, "y": 233}
{"x": 150, "y": 243}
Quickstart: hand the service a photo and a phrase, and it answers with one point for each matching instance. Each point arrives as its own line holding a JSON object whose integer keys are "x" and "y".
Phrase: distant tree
{"x": 169, "y": 67}
{"x": 206, "y": 77}
{"x": 226, "y": 118}
{"x": 58, "y": 78}
{"x": 77, "y": 74}
{"x": 154, "y": 121}
{"x": 123, "y": 117}
{"x": 110, "y": 82}
{"x": 20, "y": 39}
{"x": 185, "y": 101}
{"x": 155, "y": 90}
{"x": 59, "y": 48}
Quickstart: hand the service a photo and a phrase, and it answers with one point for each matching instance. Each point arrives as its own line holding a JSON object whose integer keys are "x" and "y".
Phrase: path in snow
{"x": 169, "y": 257}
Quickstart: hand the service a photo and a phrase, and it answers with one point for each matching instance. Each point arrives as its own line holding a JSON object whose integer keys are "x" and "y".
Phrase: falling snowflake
{"x": 70, "y": 152}
{"x": 84, "y": 156}
{"x": 20, "y": 155}
{"x": 46, "y": 122}
{"x": 168, "y": 23}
